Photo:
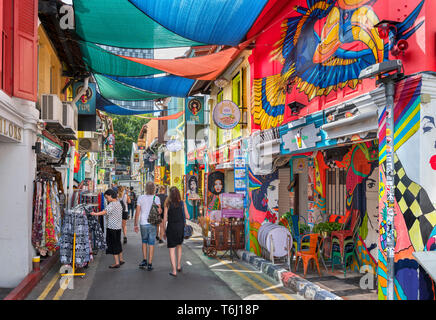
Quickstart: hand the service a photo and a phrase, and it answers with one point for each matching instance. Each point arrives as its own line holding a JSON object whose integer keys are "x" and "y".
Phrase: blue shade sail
{"x": 222, "y": 22}
{"x": 113, "y": 108}
{"x": 112, "y": 89}
{"x": 118, "y": 23}
{"x": 170, "y": 85}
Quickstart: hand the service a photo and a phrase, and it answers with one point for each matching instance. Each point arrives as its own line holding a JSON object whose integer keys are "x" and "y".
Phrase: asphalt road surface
{"x": 203, "y": 278}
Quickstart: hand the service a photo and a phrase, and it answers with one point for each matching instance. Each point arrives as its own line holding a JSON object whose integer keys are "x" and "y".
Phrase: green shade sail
{"x": 119, "y": 23}
{"x": 102, "y": 61}
{"x": 111, "y": 89}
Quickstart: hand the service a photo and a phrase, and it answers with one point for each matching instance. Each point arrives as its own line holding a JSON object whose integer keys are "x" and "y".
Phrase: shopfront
{"x": 18, "y": 131}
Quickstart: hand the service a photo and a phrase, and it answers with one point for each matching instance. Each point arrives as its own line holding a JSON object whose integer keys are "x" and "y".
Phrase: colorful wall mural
{"x": 415, "y": 198}
{"x": 215, "y": 186}
{"x": 264, "y": 204}
{"x": 321, "y": 48}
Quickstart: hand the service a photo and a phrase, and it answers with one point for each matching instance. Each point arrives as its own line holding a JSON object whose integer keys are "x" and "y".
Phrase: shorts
{"x": 148, "y": 234}
{"x": 126, "y": 215}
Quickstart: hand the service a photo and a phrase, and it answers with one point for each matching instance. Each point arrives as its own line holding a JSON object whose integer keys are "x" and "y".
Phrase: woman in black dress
{"x": 174, "y": 209}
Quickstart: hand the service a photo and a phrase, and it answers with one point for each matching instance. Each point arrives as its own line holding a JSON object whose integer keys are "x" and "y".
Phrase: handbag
{"x": 154, "y": 216}
{"x": 188, "y": 230}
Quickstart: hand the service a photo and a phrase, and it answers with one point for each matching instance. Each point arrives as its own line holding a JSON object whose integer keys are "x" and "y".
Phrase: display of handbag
{"x": 188, "y": 230}
{"x": 154, "y": 217}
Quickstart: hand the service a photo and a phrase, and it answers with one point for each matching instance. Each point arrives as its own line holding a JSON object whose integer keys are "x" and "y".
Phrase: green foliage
{"x": 126, "y": 130}
{"x": 327, "y": 227}
{"x": 303, "y": 228}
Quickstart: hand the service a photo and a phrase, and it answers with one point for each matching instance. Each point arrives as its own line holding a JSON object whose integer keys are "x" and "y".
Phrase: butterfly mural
{"x": 315, "y": 64}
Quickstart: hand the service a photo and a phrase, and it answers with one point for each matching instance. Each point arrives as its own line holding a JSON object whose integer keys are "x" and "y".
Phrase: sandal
{"x": 171, "y": 274}
{"x": 179, "y": 270}
{"x": 115, "y": 266}
{"x": 122, "y": 262}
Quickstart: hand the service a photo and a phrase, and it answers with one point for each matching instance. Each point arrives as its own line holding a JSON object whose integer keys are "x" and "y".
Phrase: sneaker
{"x": 143, "y": 264}
{"x": 149, "y": 267}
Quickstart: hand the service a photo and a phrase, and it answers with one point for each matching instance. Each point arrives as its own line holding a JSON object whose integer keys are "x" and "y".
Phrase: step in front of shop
{"x": 290, "y": 280}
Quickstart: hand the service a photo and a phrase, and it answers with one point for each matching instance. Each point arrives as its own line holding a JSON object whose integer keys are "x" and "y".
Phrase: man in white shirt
{"x": 148, "y": 231}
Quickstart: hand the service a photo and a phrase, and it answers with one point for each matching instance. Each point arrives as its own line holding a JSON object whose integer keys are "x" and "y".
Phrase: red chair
{"x": 341, "y": 235}
{"x": 310, "y": 253}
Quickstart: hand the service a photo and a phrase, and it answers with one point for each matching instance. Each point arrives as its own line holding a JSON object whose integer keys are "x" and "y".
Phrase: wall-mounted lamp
{"x": 37, "y": 147}
{"x": 295, "y": 107}
{"x": 221, "y": 82}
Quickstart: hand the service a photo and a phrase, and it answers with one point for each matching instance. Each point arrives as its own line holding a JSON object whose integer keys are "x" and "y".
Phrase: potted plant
{"x": 326, "y": 228}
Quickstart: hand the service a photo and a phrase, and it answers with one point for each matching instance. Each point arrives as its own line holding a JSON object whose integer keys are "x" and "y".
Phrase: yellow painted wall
{"x": 50, "y": 79}
{"x": 229, "y": 93}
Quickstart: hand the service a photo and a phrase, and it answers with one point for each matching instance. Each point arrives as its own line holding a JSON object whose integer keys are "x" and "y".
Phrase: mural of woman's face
{"x": 218, "y": 186}
{"x": 428, "y": 152}
{"x": 272, "y": 194}
{"x": 193, "y": 186}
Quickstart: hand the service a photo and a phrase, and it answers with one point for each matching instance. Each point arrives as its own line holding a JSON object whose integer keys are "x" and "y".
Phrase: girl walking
{"x": 175, "y": 212}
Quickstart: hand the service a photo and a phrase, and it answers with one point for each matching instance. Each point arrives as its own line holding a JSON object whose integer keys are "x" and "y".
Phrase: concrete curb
{"x": 290, "y": 280}
{"x": 32, "y": 279}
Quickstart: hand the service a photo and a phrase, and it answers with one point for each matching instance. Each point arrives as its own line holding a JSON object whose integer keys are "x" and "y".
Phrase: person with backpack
{"x": 162, "y": 197}
{"x": 147, "y": 217}
{"x": 132, "y": 204}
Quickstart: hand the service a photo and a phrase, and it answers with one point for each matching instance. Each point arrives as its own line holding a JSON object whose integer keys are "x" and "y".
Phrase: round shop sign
{"x": 226, "y": 114}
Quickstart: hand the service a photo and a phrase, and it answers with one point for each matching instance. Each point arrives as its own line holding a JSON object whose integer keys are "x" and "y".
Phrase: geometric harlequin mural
{"x": 415, "y": 196}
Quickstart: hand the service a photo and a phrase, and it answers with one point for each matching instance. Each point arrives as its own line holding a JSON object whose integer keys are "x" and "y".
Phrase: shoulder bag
{"x": 187, "y": 231}
{"x": 154, "y": 217}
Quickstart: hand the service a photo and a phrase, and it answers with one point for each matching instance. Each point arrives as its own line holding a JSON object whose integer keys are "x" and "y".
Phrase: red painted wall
{"x": 420, "y": 55}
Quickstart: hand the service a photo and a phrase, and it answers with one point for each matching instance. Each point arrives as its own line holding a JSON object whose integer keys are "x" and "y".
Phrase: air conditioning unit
{"x": 51, "y": 108}
{"x": 89, "y": 145}
{"x": 69, "y": 115}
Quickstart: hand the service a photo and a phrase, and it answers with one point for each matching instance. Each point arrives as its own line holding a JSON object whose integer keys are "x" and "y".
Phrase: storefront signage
{"x": 10, "y": 130}
{"x": 86, "y": 103}
{"x": 51, "y": 149}
{"x": 226, "y": 114}
{"x": 302, "y": 138}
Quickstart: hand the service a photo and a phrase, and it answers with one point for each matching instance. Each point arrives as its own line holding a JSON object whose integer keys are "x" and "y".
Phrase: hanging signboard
{"x": 240, "y": 173}
{"x": 195, "y": 110}
{"x": 50, "y": 149}
{"x": 86, "y": 103}
{"x": 226, "y": 114}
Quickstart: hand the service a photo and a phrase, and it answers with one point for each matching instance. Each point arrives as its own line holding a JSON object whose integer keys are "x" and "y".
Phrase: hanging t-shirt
{"x": 145, "y": 202}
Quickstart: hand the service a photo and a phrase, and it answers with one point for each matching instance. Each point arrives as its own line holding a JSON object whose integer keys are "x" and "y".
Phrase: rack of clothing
{"x": 80, "y": 225}
{"x": 47, "y": 214}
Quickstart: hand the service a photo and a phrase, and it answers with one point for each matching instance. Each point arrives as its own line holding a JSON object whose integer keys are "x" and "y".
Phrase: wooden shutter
{"x": 25, "y": 49}
{"x": 7, "y": 44}
{"x": 284, "y": 198}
